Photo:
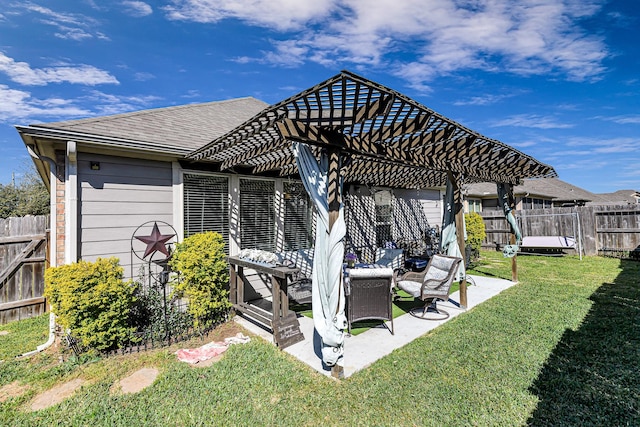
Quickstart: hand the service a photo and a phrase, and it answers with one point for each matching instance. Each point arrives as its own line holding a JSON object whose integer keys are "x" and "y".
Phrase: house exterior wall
{"x": 116, "y": 199}
{"x": 413, "y": 211}
{"x": 429, "y": 200}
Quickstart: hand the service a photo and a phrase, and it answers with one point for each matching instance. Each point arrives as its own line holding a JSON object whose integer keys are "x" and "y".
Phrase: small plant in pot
{"x": 351, "y": 259}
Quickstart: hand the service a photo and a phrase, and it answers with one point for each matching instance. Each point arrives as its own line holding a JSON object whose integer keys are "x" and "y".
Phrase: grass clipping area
{"x": 559, "y": 348}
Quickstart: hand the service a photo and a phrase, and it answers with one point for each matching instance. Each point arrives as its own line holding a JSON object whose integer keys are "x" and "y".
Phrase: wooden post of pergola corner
{"x": 458, "y": 209}
{"x": 334, "y": 199}
{"x": 514, "y": 260}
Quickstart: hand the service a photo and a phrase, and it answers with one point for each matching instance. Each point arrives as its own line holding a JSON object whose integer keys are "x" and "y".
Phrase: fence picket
{"x": 23, "y": 253}
{"x": 609, "y": 230}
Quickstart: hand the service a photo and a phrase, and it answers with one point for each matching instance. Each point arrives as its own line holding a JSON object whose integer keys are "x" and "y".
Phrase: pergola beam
{"x": 426, "y": 158}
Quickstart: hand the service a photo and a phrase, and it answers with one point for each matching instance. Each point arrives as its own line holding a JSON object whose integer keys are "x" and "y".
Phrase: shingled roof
{"x": 551, "y": 188}
{"x": 387, "y": 138}
{"x": 180, "y": 129}
{"x": 624, "y": 197}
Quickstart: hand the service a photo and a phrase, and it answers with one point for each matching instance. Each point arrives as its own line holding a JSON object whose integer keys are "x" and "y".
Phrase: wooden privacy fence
{"x": 608, "y": 230}
{"x": 23, "y": 252}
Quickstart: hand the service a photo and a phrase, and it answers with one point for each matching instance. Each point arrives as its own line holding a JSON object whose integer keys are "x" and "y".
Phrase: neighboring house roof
{"x": 617, "y": 197}
{"x": 183, "y": 127}
{"x": 548, "y": 188}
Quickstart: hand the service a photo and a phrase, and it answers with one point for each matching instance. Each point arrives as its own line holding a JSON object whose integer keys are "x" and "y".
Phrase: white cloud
{"x": 287, "y": 53}
{"x": 590, "y": 164}
{"x": 137, "y": 9}
{"x": 278, "y": 14}
{"x": 21, "y": 72}
{"x": 106, "y": 103}
{"x": 143, "y": 76}
{"x": 611, "y": 148}
{"x": 523, "y": 37}
{"x": 69, "y": 26}
{"x": 632, "y": 171}
{"x": 484, "y": 100}
{"x": 532, "y": 121}
{"x": 18, "y": 105}
{"x": 624, "y": 120}
{"x": 21, "y": 105}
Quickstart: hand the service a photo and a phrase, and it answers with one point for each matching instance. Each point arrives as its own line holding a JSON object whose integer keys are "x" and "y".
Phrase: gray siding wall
{"x": 429, "y": 200}
{"x": 115, "y": 200}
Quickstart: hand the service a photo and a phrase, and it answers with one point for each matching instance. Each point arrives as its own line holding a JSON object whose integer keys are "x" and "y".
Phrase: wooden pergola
{"x": 374, "y": 136}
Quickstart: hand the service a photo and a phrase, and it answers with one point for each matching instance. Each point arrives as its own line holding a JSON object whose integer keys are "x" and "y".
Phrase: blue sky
{"x": 557, "y": 79}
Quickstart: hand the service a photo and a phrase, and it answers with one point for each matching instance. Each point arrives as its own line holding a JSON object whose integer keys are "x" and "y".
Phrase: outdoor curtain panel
{"x": 327, "y": 291}
{"x": 503, "y": 197}
{"x": 448, "y": 238}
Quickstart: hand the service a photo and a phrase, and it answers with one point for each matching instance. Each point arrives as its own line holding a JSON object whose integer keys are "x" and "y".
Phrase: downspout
{"x": 52, "y": 248}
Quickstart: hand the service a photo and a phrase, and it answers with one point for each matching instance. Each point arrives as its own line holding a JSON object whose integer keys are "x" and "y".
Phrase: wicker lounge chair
{"x": 368, "y": 293}
{"x": 431, "y": 285}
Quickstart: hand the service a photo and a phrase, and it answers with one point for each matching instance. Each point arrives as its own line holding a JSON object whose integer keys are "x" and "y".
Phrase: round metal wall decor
{"x": 151, "y": 241}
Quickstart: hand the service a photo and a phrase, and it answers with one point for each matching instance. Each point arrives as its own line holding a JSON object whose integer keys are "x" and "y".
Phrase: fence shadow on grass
{"x": 592, "y": 376}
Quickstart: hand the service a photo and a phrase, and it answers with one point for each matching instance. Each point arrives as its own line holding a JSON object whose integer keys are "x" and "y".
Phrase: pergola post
{"x": 514, "y": 260}
{"x": 334, "y": 198}
{"x": 458, "y": 209}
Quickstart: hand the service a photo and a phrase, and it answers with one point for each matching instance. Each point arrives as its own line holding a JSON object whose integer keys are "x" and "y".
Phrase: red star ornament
{"x": 156, "y": 241}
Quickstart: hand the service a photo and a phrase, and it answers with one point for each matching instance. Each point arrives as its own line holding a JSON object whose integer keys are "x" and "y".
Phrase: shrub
{"x": 475, "y": 230}
{"x": 92, "y": 300}
{"x": 155, "y": 316}
{"x": 204, "y": 276}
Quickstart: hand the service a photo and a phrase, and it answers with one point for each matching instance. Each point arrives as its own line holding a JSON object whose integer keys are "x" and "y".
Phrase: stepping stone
{"x": 13, "y": 389}
{"x": 139, "y": 380}
{"x": 56, "y": 395}
{"x": 4, "y": 333}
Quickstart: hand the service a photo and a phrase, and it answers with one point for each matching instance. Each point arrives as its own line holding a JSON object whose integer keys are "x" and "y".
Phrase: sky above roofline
{"x": 553, "y": 78}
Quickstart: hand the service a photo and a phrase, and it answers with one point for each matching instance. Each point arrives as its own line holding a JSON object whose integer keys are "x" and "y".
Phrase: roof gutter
{"x": 101, "y": 141}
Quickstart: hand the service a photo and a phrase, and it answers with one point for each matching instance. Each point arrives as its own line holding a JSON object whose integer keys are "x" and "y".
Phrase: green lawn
{"x": 560, "y": 348}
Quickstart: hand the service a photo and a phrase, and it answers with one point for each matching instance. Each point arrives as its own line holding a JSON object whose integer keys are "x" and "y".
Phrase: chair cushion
{"x": 410, "y": 287}
{"x": 370, "y": 272}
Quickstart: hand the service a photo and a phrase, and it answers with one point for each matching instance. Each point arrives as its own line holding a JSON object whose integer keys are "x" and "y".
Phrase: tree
{"x": 28, "y": 196}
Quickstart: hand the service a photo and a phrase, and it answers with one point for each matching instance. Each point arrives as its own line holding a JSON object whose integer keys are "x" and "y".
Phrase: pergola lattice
{"x": 385, "y": 137}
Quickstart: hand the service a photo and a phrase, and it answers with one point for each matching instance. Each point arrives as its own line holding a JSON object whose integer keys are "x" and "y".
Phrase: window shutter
{"x": 298, "y": 217}
{"x": 257, "y": 214}
{"x": 206, "y": 205}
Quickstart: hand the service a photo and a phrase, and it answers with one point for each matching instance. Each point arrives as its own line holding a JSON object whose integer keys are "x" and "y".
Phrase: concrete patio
{"x": 364, "y": 349}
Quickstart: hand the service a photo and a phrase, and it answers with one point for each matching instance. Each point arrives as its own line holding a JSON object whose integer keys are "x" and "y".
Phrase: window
{"x": 475, "y": 205}
{"x": 298, "y": 217}
{"x": 206, "y": 205}
{"x": 257, "y": 214}
{"x": 490, "y": 205}
{"x": 533, "y": 203}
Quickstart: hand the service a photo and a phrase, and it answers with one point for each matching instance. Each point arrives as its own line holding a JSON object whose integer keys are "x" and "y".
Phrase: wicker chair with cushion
{"x": 431, "y": 285}
{"x": 368, "y": 293}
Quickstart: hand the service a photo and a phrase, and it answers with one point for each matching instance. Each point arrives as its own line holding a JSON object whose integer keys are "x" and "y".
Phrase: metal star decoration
{"x": 156, "y": 241}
